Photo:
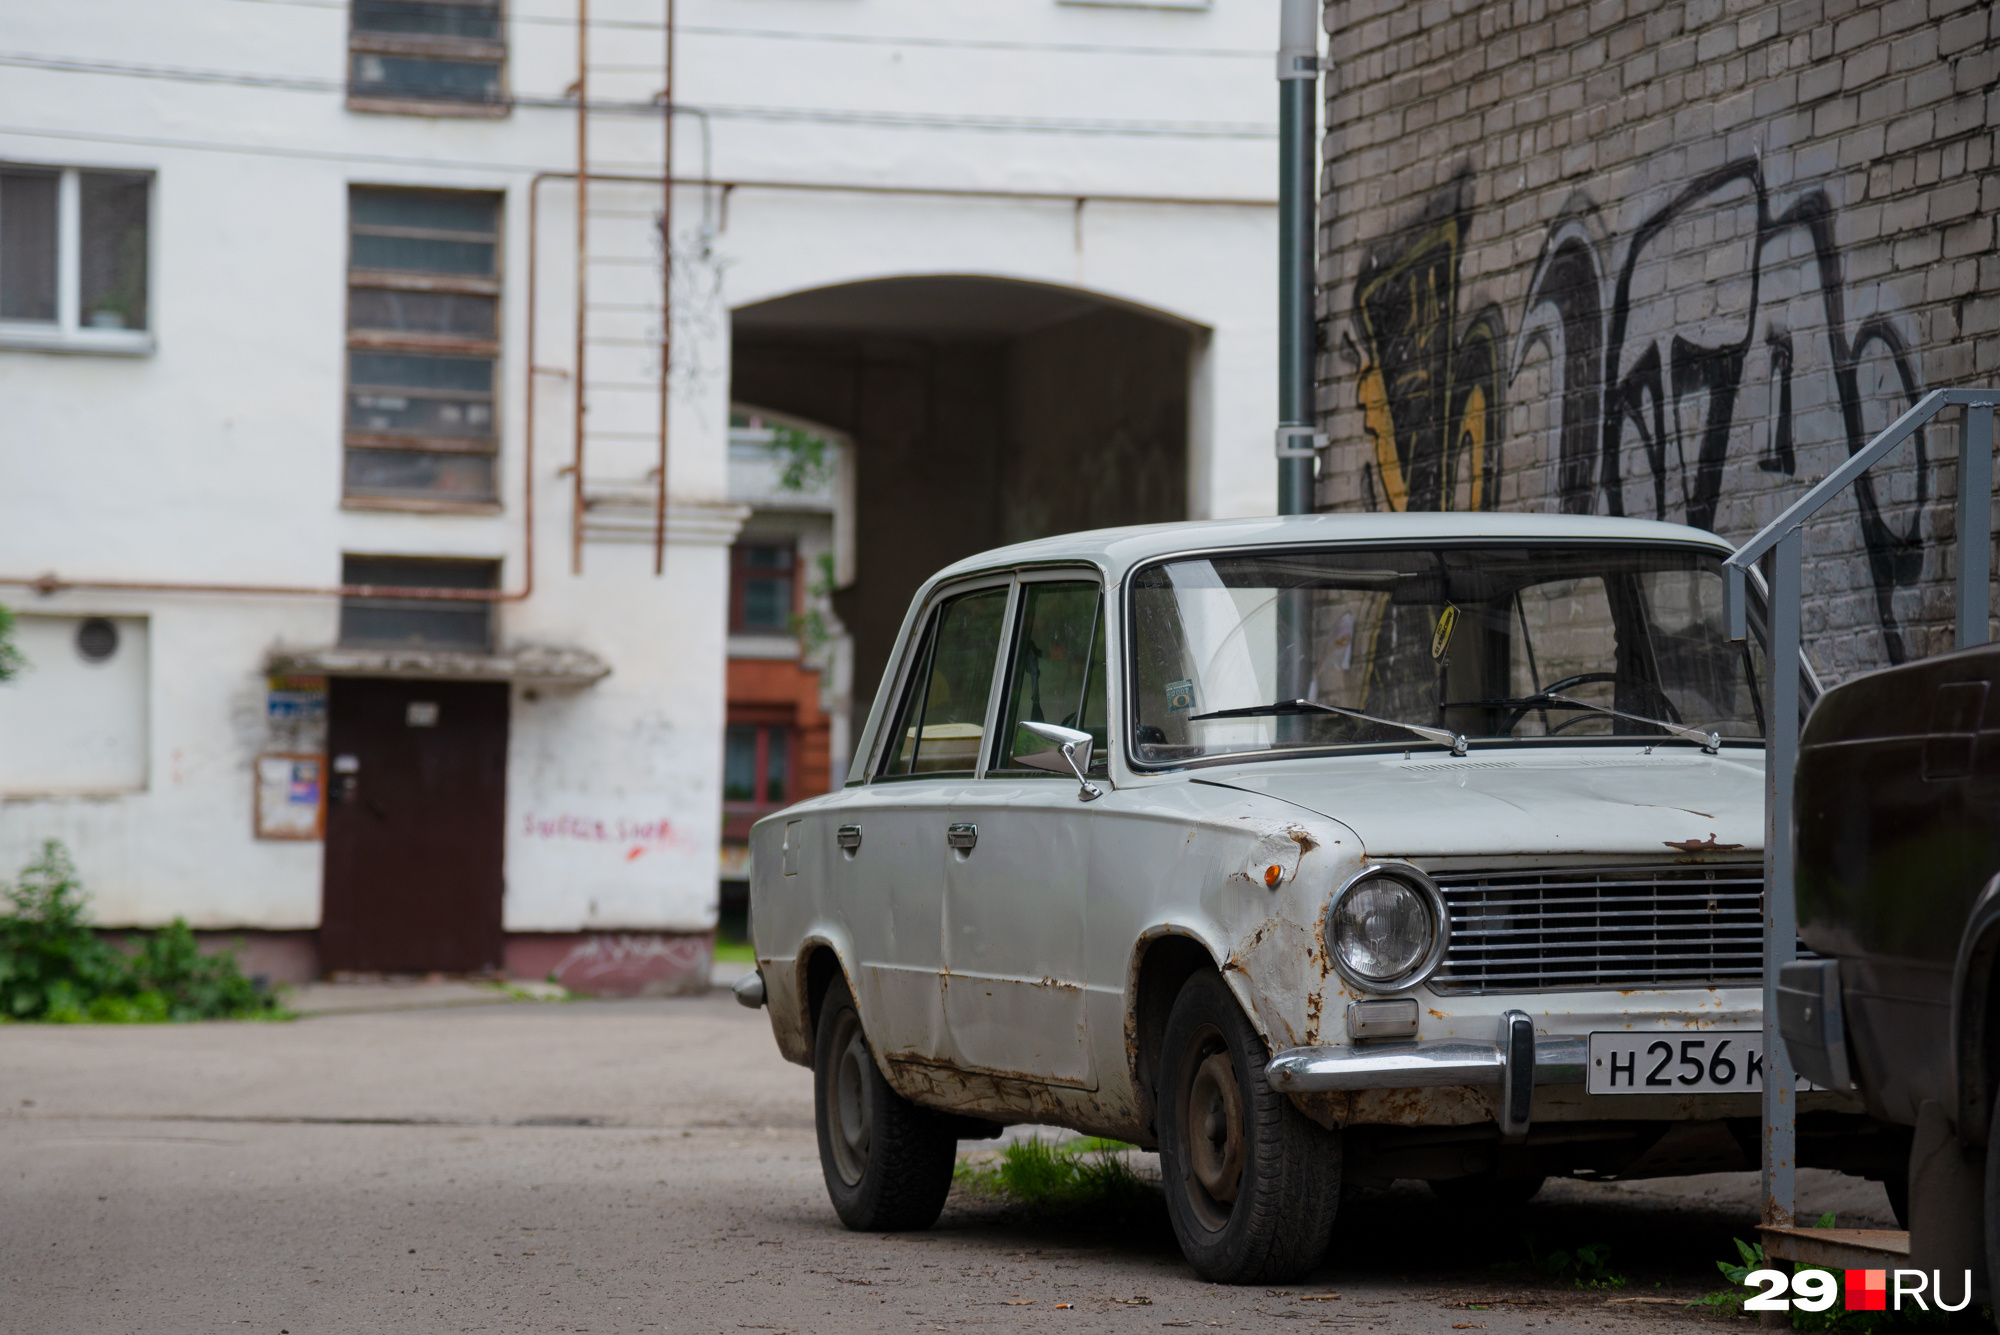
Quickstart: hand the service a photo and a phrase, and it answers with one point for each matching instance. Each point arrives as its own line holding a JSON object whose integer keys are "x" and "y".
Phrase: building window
{"x": 423, "y": 347}
{"x": 761, "y": 588}
{"x": 388, "y": 622}
{"x": 756, "y": 767}
{"x": 73, "y": 272}
{"x": 428, "y": 57}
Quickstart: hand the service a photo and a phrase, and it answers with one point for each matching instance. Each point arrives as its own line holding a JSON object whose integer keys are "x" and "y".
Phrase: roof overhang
{"x": 546, "y": 665}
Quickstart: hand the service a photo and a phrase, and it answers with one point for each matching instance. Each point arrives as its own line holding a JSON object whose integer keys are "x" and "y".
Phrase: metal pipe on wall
{"x": 666, "y": 293}
{"x": 1298, "y": 87}
{"x": 582, "y": 274}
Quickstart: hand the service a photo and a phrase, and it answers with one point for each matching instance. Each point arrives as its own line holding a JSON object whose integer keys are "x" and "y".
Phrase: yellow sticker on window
{"x": 1441, "y": 636}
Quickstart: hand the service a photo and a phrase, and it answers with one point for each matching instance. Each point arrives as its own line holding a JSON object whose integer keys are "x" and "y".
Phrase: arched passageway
{"x": 983, "y": 411}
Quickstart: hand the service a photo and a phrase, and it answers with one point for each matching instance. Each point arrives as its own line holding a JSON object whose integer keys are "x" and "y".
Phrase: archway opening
{"x": 982, "y": 411}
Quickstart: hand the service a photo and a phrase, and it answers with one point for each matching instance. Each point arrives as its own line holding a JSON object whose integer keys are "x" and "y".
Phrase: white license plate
{"x": 1713, "y": 1061}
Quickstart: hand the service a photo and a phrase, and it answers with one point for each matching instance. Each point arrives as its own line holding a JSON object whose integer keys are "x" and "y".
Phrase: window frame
{"x": 1100, "y": 763}
{"x": 765, "y": 723}
{"x": 68, "y": 333}
{"x": 361, "y": 41}
{"x": 489, "y": 566}
{"x": 739, "y": 578}
{"x": 919, "y": 647}
{"x": 1120, "y": 711}
{"x": 421, "y": 343}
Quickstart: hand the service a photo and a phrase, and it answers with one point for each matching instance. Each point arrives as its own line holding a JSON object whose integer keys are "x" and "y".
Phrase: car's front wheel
{"x": 887, "y": 1161}
{"x": 1252, "y": 1183}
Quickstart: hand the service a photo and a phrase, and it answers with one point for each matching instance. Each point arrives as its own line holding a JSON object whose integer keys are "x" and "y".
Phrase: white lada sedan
{"x": 1317, "y": 852}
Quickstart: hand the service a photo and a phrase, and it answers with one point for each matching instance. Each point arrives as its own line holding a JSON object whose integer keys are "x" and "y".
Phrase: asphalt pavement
{"x": 649, "y": 1165}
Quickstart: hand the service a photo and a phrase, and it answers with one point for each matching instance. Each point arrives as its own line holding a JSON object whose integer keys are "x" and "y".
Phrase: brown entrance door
{"x": 413, "y": 826}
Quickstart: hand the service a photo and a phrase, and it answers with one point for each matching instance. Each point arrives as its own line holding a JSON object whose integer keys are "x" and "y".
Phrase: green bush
{"x": 55, "y": 967}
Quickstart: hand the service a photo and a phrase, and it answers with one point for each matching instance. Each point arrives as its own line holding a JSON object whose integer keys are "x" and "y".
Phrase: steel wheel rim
{"x": 1212, "y": 1141}
{"x": 849, "y": 1105}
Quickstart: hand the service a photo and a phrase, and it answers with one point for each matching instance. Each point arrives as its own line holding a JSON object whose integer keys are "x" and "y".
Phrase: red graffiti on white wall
{"x": 639, "y": 836}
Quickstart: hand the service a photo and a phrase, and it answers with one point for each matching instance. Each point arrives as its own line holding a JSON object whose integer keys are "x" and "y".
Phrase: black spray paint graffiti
{"x": 1649, "y": 372}
{"x": 1620, "y": 382}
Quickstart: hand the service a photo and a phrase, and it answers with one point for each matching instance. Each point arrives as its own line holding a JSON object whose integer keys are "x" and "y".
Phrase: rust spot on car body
{"x": 1707, "y": 845}
{"x": 1448, "y": 1105}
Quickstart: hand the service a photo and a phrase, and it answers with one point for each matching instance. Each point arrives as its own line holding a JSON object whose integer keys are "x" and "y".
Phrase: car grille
{"x": 1611, "y": 927}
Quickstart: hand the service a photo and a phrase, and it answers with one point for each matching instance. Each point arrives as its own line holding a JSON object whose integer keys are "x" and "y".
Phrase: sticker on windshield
{"x": 1180, "y": 696}
{"x": 1441, "y": 637}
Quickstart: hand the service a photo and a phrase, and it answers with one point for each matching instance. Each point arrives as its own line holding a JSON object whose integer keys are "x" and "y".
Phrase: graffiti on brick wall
{"x": 1721, "y": 333}
{"x": 1431, "y": 390}
{"x": 1652, "y": 374}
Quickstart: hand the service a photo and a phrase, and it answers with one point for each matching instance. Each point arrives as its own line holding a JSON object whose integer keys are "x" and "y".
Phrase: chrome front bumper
{"x": 1516, "y": 1061}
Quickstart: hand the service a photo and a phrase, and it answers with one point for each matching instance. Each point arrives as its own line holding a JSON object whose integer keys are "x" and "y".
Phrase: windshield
{"x": 1475, "y": 640}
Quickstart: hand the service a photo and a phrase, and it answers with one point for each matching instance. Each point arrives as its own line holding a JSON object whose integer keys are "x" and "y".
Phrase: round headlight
{"x": 1386, "y": 929}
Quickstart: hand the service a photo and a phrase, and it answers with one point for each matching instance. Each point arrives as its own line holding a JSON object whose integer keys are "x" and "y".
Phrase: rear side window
{"x": 1057, "y": 674}
{"x": 942, "y": 725}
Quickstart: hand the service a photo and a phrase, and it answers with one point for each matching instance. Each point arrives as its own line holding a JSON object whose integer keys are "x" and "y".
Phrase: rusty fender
{"x": 1004, "y": 1097}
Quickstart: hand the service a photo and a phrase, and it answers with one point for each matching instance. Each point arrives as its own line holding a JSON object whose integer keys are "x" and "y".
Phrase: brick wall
{"x": 1669, "y": 261}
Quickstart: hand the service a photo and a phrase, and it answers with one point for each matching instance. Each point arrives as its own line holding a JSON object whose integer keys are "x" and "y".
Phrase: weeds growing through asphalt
{"x": 1059, "y": 1178}
{"x": 1586, "y": 1266}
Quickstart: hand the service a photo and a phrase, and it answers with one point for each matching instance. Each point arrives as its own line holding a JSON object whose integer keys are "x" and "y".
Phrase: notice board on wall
{"x": 291, "y": 796}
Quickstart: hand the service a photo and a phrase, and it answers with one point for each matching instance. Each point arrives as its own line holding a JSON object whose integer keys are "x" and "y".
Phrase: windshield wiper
{"x": 1710, "y": 742}
{"x": 1442, "y": 736}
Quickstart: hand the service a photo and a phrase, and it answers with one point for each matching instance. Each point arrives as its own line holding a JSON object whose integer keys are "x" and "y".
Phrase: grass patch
{"x": 1586, "y": 1267}
{"x": 734, "y": 952}
{"x": 1085, "y": 1174}
{"x": 54, "y": 967}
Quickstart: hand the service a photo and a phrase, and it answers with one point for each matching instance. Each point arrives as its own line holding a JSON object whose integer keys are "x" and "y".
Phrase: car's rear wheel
{"x": 1252, "y": 1184}
{"x": 887, "y": 1162}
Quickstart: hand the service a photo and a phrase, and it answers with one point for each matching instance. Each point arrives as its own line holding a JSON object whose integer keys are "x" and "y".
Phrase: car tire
{"x": 887, "y": 1162}
{"x": 1484, "y": 1193}
{"x": 1224, "y": 1132}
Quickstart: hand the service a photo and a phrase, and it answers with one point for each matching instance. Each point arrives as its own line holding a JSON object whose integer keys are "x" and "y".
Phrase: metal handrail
{"x": 1781, "y": 538}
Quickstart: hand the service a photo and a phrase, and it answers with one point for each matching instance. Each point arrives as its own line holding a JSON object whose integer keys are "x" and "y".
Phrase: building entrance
{"x": 414, "y": 826}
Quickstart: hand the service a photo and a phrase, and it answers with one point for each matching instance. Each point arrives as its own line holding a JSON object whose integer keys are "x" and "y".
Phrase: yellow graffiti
{"x": 1382, "y": 433}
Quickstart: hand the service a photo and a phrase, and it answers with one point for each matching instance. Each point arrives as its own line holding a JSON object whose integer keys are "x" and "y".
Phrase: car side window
{"x": 1057, "y": 671}
{"x": 942, "y": 723}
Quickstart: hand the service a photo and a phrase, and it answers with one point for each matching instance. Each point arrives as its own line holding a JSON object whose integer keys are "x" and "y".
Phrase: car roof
{"x": 1117, "y": 550}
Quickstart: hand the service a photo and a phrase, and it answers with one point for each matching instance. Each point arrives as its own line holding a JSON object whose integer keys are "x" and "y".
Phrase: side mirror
{"x": 1072, "y": 752}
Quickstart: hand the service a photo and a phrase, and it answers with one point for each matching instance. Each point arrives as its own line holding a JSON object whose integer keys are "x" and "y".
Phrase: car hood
{"x": 1536, "y": 804}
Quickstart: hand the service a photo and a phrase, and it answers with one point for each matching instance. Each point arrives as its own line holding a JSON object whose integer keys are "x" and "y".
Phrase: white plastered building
{"x": 289, "y": 310}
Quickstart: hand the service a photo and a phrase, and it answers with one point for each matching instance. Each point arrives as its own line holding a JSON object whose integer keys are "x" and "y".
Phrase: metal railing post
{"x": 1975, "y": 524}
{"x": 1781, "y": 923}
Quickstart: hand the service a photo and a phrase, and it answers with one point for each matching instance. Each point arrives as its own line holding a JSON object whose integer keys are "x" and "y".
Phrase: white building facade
{"x": 352, "y": 632}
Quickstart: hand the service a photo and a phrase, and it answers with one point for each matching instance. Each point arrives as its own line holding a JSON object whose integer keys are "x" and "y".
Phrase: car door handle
{"x": 963, "y": 834}
{"x": 848, "y": 837}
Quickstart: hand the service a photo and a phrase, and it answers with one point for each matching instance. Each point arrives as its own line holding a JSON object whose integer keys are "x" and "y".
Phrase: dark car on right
{"x": 1897, "y": 827}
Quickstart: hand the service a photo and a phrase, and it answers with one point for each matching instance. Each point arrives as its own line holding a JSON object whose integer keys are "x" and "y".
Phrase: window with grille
{"x": 428, "y": 57}
{"x": 423, "y": 346}
{"x": 384, "y": 621}
{"x": 73, "y": 258}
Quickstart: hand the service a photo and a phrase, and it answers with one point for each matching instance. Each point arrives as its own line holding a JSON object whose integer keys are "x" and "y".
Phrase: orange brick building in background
{"x": 776, "y": 701}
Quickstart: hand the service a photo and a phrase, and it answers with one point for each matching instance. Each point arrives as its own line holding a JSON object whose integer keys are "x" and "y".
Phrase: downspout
{"x": 1298, "y": 437}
